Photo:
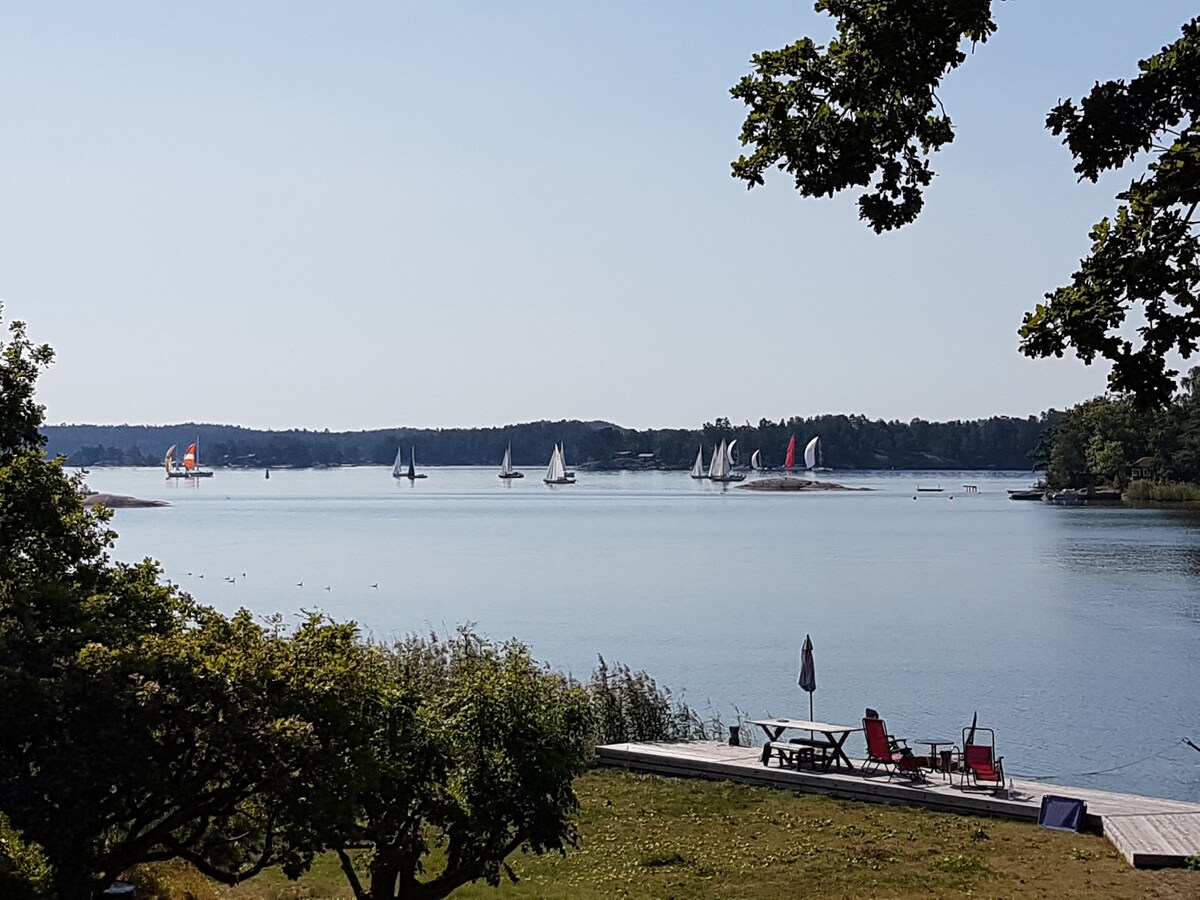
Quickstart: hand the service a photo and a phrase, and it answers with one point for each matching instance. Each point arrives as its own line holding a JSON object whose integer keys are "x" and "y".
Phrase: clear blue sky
{"x": 461, "y": 213}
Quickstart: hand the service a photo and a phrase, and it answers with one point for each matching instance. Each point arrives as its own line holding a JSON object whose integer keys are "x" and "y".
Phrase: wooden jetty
{"x": 1148, "y": 831}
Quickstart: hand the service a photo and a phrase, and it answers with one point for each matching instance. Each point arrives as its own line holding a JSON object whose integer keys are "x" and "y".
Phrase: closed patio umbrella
{"x": 974, "y": 725}
{"x": 808, "y": 673}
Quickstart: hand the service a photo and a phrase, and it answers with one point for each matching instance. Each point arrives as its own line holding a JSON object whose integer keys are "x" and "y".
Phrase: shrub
{"x": 24, "y": 872}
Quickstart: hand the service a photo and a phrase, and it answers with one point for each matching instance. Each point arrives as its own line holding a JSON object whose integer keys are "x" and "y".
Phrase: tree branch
{"x": 351, "y": 875}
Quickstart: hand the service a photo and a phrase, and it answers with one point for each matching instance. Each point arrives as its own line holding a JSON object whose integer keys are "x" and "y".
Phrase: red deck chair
{"x": 980, "y": 766}
{"x": 886, "y": 752}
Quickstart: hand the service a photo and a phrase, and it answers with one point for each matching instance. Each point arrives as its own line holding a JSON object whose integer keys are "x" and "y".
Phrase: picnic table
{"x": 831, "y": 745}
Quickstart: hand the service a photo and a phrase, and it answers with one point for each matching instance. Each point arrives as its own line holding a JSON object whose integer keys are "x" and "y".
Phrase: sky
{"x": 461, "y": 214}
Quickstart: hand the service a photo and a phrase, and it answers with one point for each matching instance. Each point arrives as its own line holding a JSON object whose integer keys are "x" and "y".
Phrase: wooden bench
{"x": 796, "y": 753}
{"x": 822, "y": 750}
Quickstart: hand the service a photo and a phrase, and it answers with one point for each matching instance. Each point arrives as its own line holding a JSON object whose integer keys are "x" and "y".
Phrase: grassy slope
{"x": 659, "y": 838}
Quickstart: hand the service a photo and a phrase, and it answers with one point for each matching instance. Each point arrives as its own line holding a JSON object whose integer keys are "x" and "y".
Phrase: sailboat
{"x": 506, "y": 466}
{"x": 721, "y": 467}
{"x": 714, "y": 465}
{"x": 174, "y": 469}
{"x": 756, "y": 461}
{"x": 556, "y": 472}
{"x": 398, "y": 465}
{"x": 812, "y": 456}
{"x": 789, "y": 461}
{"x": 698, "y": 465}
{"x": 191, "y": 462}
{"x": 411, "y": 474}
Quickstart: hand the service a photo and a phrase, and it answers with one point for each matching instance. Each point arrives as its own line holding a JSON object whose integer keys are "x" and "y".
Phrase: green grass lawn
{"x": 644, "y": 836}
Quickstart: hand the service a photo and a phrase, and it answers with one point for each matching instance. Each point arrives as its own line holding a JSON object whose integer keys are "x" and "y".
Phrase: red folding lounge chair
{"x": 886, "y": 752}
{"x": 981, "y": 767}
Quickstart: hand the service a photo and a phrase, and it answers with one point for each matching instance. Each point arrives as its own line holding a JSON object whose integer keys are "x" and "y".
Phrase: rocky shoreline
{"x": 795, "y": 484}
{"x": 120, "y": 501}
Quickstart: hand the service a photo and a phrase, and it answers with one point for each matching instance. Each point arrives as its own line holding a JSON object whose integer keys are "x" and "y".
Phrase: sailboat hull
{"x": 513, "y": 475}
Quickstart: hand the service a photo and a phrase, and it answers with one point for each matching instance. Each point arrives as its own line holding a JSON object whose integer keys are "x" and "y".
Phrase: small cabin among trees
{"x": 1142, "y": 469}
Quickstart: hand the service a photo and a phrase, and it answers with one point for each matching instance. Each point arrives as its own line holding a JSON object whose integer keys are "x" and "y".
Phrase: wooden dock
{"x": 1148, "y": 831}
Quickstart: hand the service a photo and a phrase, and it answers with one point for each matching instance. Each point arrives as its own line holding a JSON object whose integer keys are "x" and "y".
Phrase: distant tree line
{"x": 847, "y": 442}
{"x": 1099, "y": 440}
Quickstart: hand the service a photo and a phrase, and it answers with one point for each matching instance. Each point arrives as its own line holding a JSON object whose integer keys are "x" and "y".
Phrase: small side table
{"x": 939, "y": 760}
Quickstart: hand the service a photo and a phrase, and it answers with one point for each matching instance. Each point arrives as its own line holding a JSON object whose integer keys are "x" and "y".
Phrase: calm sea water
{"x": 1073, "y": 632}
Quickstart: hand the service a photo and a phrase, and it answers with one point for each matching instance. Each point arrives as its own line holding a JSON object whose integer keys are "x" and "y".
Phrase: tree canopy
{"x": 864, "y": 111}
{"x": 1098, "y": 440}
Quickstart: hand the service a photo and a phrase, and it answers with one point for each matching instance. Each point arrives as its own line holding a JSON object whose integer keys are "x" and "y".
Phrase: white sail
{"x": 398, "y": 465}
{"x": 556, "y": 472}
{"x": 810, "y": 453}
{"x": 719, "y": 470}
{"x": 698, "y": 466}
{"x": 506, "y": 463}
{"x": 729, "y": 452}
{"x": 714, "y": 465}
{"x": 756, "y": 460}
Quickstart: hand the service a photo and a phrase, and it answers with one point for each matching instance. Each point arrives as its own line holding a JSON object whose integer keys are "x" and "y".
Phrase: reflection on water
{"x": 1071, "y": 631}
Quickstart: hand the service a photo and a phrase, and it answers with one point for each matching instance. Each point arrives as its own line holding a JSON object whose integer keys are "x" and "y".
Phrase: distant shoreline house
{"x": 1142, "y": 469}
{"x": 628, "y": 459}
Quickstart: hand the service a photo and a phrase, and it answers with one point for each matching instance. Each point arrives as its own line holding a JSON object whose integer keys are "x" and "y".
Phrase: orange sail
{"x": 189, "y": 457}
{"x": 790, "y": 461}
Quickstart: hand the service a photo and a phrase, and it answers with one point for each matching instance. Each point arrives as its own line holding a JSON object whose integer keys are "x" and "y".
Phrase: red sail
{"x": 790, "y": 461}
{"x": 189, "y": 457}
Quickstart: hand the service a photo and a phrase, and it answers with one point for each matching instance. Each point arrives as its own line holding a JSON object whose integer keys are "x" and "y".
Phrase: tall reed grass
{"x": 630, "y": 706}
{"x": 1152, "y": 492}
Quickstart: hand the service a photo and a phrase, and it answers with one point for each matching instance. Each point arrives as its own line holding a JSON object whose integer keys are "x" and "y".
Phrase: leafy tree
{"x": 467, "y": 747}
{"x": 864, "y": 111}
{"x": 137, "y": 725}
{"x": 1147, "y": 257}
{"x": 1107, "y": 458}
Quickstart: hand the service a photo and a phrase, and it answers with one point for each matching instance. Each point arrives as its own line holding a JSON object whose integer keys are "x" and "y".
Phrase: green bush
{"x": 171, "y": 881}
{"x": 24, "y": 872}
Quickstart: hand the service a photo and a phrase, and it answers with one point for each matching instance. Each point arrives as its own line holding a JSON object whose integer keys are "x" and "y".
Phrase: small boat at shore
{"x": 1036, "y": 491}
